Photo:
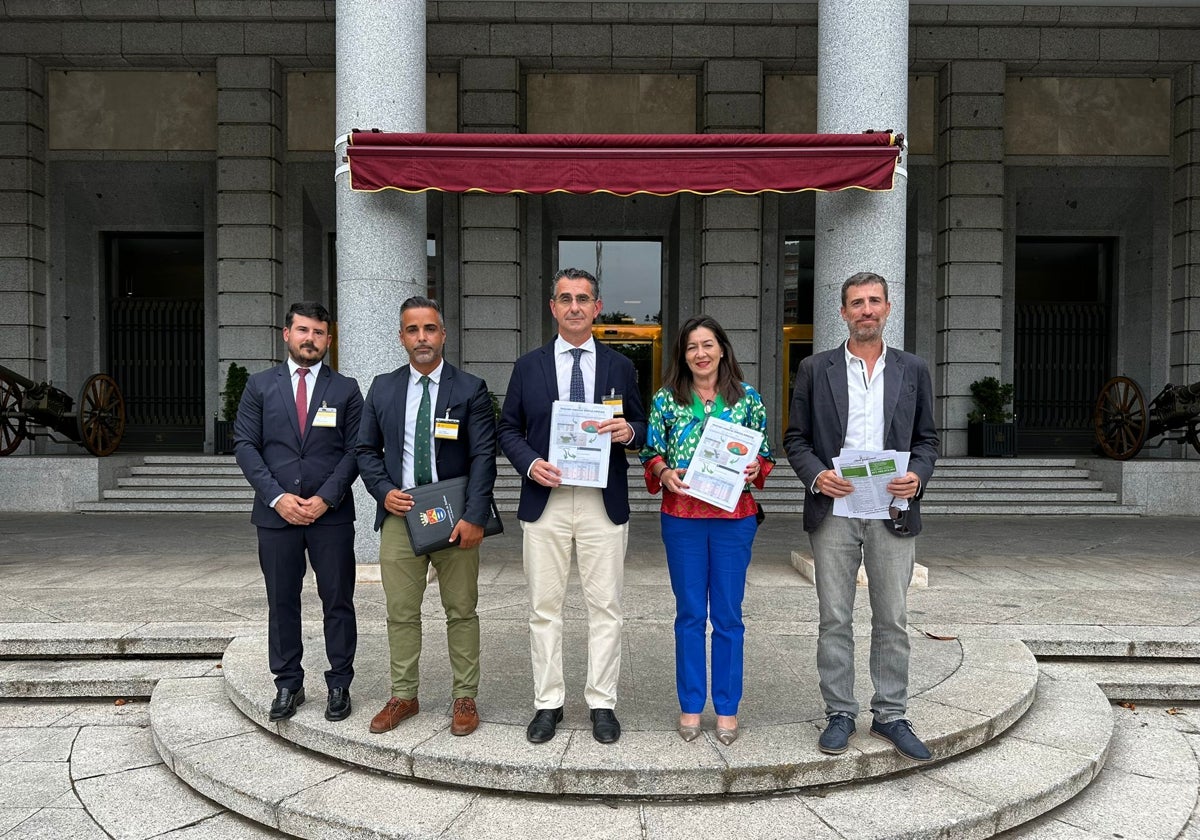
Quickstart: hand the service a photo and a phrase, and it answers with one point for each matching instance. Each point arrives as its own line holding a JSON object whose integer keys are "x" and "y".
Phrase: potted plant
{"x": 235, "y": 383}
{"x": 991, "y": 427}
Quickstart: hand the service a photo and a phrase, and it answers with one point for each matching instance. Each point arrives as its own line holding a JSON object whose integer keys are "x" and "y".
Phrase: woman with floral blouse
{"x": 708, "y": 549}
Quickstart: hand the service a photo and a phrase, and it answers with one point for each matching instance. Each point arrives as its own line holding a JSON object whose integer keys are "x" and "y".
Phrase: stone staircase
{"x": 1018, "y": 749}
{"x": 967, "y": 486}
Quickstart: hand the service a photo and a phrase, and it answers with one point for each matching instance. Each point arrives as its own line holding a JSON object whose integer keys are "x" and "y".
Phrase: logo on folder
{"x": 434, "y": 516}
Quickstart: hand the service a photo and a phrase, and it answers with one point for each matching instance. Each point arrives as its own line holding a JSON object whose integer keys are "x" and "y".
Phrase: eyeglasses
{"x": 567, "y": 300}
{"x": 899, "y": 519}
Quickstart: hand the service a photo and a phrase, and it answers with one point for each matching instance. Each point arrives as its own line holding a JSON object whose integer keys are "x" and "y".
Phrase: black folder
{"x": 436, "y": 510}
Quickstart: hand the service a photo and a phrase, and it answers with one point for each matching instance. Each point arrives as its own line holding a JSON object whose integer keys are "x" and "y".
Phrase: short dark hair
{"x": 308, "y": 309}
{"x": 576, "y": 274}
{"x": 421, "y": 302}
{"x": 863, "y": 278}
{"x": 729, "y": 372}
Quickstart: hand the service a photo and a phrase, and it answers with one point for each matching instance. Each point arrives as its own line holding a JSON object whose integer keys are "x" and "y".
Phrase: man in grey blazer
{"x": 863, "y": 395}
{"x": 428, "y": 421}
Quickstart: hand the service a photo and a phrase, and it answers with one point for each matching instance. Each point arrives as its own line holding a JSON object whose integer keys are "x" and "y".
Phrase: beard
{"x": 864, "y": 331}
{"x": 306, "y": 354}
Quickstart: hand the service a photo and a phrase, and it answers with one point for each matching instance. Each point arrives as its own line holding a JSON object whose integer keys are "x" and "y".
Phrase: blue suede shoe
{"x": 835, "y": 740}
{"x": 899, "y": 733}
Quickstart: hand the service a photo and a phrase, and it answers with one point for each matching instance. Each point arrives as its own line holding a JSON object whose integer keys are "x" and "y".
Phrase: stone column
{"x": 249, "y": 212}
{"x": 1185, "y": 242}
{"x": 862, "y": 83}
{"x": 970, "y": 239}
{"x": 23, "y": 277}
{"x": 380, "y": 65}
{"x": 490, "y": 238}
{"x": 731, "y": 225}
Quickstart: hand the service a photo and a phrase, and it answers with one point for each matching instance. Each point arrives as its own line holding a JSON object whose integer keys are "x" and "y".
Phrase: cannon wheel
{"x": 1120, "y": 418}
{"x": 101, "y": 414}
{"x": 12, "y": 422}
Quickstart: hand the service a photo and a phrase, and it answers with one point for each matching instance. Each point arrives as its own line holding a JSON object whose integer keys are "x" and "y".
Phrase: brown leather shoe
{"x": 466, "y": 716}
{"x": 394, "y": 711}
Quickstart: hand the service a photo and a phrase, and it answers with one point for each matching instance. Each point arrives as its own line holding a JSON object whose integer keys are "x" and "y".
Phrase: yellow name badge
{"x": 445, "y": 429}
{"x": 326, "y": 417}
{"x": 616, "y": 401}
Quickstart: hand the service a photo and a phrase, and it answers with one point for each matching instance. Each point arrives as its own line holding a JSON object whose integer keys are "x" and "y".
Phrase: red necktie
{"x": 302, "y": 399}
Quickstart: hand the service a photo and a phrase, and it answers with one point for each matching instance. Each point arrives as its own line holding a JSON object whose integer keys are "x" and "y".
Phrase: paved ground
{"x": 61, "y": 762}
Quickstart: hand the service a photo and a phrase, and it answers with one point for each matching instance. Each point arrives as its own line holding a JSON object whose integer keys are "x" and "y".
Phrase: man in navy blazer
{"x": 294, "y": 440}
{"x": 455, "y": 432}
{"x": 556, "y": 518}
{"x": 867, "y": 396}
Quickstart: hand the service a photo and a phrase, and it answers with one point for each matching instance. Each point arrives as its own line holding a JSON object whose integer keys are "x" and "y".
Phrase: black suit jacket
{"x": 275, "y": 459}
{"x": 380, "y": 446}
{"x": 817, "y": 423}
{"x": 525, "y": 424}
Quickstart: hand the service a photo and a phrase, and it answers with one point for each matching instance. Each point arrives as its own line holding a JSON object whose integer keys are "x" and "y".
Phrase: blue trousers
{"x": 707, "y": 560}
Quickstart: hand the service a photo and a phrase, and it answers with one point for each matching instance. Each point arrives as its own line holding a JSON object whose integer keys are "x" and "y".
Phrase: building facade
{"x": 167, "y": 189}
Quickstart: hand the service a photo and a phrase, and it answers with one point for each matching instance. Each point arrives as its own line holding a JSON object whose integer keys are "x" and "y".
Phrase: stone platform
{"x": 963, "y": 693}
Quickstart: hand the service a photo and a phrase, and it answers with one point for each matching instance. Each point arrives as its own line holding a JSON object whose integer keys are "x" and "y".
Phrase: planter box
{"x": 222, "y": 437}
{"x": 992, "y": 440}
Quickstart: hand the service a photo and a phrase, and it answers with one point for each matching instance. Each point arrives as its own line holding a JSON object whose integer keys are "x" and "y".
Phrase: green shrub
{"x": 992, "y": 398}
{"x": 235, "y": 383}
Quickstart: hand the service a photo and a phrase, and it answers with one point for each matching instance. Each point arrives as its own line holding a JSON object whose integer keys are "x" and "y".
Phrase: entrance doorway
{"x": 155, "y": 286}
{"x": 797, "y": 287}
{"x": 630, "y": 275}
{"x": 1062, "y": 351}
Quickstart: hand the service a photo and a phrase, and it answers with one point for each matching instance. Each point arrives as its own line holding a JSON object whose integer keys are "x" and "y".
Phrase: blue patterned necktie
{"x": 577, "y": 394}
{"x": 422, "y": 468}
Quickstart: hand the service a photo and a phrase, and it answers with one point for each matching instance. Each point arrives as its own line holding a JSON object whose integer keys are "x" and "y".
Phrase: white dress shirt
{"x": 864, "y": 420}
{"x": 311, "y": 379}
{"x": 564, "y": 362}
{"x": 412, "y": 405}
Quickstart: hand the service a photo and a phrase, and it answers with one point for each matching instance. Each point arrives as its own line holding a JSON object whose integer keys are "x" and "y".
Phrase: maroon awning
{"x": 622, "y": 164}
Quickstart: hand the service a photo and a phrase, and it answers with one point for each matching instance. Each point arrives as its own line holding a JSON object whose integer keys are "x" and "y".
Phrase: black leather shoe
{"x": 338, "y": 707}
{"x": 544, "y": 725}
{"x": 287, "y": 700}
{"x": 605, "y": 726}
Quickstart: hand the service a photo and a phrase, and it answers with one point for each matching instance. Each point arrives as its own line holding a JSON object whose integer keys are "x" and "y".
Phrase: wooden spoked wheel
{"x": 12, "y": 421}
{"x": 1120, "y": 418}
{"x": 101, "y": 415}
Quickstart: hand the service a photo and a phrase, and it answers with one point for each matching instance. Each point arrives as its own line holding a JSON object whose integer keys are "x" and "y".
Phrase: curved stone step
{"x": 1047, "y": 757}
{"x": 963, "y": 694}
{"x": 1148, "y": 788}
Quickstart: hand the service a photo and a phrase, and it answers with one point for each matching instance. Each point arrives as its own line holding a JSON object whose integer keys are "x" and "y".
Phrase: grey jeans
{"x": 839, "y": 545}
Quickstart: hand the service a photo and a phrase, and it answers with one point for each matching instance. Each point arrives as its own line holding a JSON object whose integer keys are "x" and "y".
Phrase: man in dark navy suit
{"x": 294, "y": 439}
{"x": 556, "y": 518}
{"x": 428, "y": 421}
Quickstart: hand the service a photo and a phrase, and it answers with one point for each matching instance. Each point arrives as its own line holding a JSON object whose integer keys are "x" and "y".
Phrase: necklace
{"x": 710, "y": 401}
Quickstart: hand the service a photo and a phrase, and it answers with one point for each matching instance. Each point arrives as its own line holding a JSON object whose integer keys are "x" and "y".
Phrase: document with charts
{"x": 870, "y": 473}
{"x": 577, "y": 447}
{"x": 717, "y": 473}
